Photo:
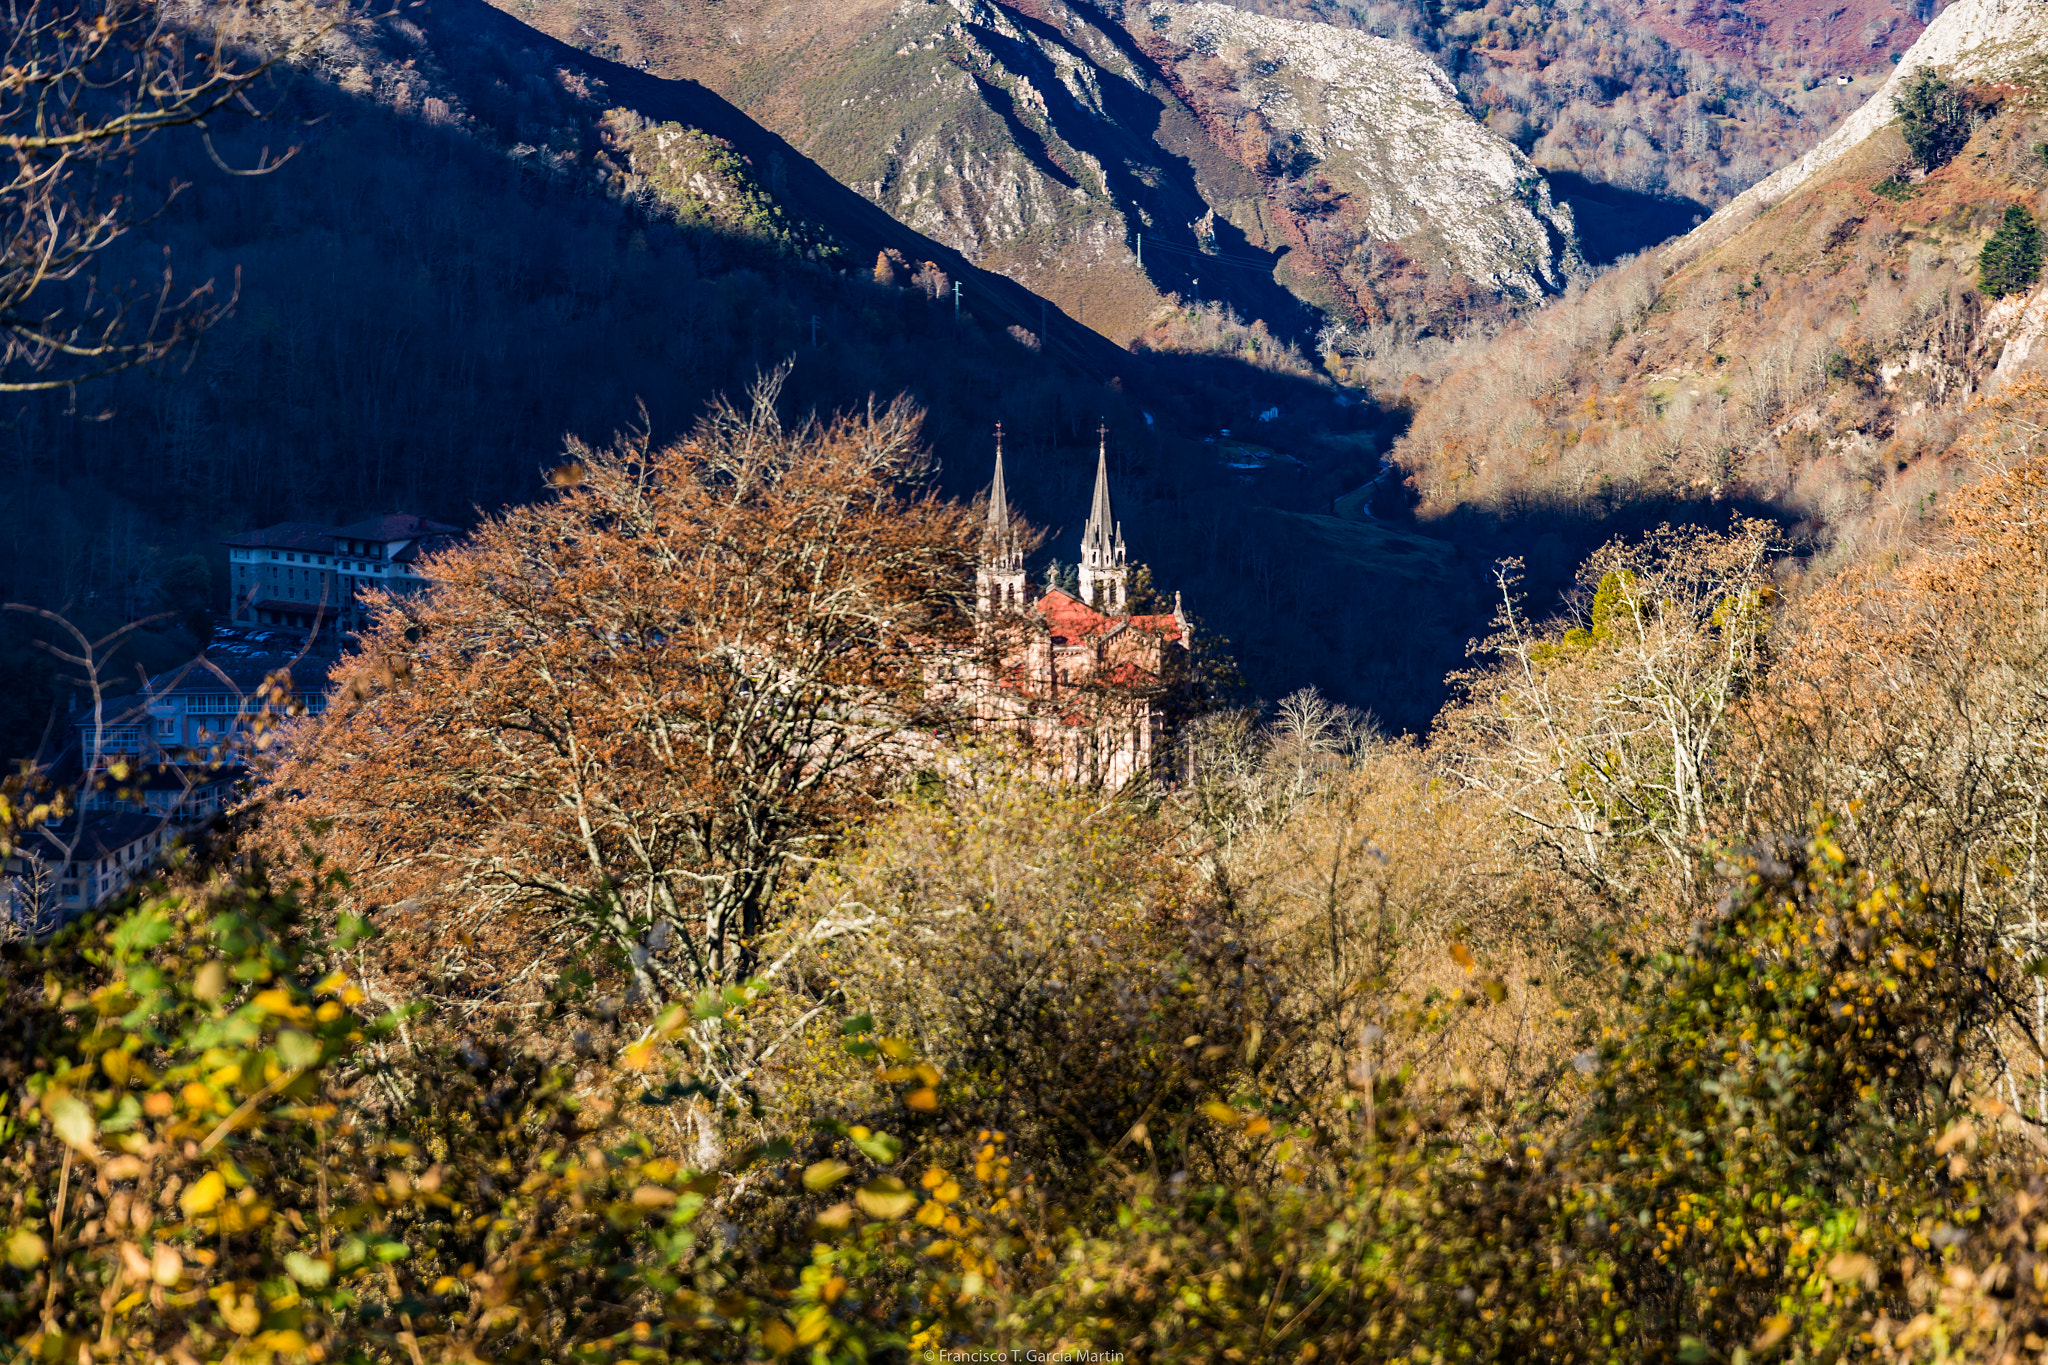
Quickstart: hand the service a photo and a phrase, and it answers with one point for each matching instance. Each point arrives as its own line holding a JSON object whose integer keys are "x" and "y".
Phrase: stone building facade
{"x": 301, "y": 576}
{"x": 1086, "y": 683}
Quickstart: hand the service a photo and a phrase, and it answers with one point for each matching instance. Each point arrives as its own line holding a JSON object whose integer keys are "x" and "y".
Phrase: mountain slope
{"x": 1810, "y": 357}
{"x": 1986, "y": 41}
{"x": 1368, "y": 143}
{"x": 1042, "y": 138}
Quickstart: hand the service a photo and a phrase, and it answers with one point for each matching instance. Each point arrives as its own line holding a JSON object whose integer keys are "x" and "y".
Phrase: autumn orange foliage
{"x": 625, "y": 712}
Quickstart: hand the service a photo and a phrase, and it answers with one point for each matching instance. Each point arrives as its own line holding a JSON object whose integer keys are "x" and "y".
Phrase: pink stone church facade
{"x": 1077, "y": 677}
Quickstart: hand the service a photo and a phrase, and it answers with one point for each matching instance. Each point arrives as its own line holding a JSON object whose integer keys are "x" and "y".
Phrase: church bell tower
{"x": 999, "y": 581}
{"x": 1105, "y": 577}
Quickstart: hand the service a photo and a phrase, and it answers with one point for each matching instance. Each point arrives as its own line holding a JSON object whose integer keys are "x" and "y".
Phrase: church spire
{"x": 1000, "y": 532}
{"x": 1104, "y": 577}
{"x": 1000, "y": 579}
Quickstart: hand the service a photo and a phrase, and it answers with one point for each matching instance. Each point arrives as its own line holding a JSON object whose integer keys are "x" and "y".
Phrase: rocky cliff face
{"x": 1019, "y": 143}
{"x": 1984, "y": 41}
{"x": 1368, "y": 137}
{"x": 1043, "y": 138}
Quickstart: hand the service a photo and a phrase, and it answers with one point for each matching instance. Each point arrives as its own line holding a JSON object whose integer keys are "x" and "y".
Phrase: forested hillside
{"x": 489, "y": 239}
{"x": 472, "y": 256}
{"x": 1631, "y": 104}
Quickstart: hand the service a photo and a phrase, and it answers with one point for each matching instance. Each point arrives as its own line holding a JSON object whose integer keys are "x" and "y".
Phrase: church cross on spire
{"x": 998, "y": 496}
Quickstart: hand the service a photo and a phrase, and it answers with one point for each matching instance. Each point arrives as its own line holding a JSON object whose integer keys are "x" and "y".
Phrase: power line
{"x": 1244, "y": 261}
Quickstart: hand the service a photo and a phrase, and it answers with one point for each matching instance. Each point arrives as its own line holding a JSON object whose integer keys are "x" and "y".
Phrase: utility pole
{"x": 956, "y": 300}
{"x": 1141, "y": 251}
{"x": 814, "y": 331}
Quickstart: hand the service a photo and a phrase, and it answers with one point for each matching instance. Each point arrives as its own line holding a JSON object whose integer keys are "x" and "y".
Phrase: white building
{"x": 298, "y": 575}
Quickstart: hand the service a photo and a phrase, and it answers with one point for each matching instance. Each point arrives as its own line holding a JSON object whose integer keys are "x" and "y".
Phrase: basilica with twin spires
{"x": 1084, "y": 682}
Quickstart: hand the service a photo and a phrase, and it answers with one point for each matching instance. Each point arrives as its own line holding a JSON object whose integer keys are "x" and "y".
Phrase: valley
{"x": 1408, "y": 282}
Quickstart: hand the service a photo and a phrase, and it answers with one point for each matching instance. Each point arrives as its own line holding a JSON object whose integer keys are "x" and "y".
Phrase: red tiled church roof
{"x": 1074, "y": 622}
{"x": 1166, "y": 623}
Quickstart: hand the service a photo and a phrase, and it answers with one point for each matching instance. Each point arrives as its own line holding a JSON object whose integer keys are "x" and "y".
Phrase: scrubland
{"x": 1675, "y": 998}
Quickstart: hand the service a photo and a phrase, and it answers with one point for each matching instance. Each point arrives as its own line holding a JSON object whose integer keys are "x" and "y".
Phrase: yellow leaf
{"x": 777, "y": 1337}
{"x": 1776, "y": 1329}
{"x": 211, "y": 982}
{"x": 1220, "y": 1112}
{"x": 279, "y": 1003}
{"x": 811, "y": 1327}
{"x": 1462, "y": 955}
{"x": 72, "y": 1121}
{"x": 923, "y": 1101}
{"x": 203, "y": 1195}
{"x": 823, "y": 1175}
{"x": 653, "y": 1197}
{"x": 25, "y": 1250}
{"x": 165, "y": 1264}
{"x": 835, "y": 1218}
{"x": 885, "y": 1197}
{"x": 241, "y": 1314}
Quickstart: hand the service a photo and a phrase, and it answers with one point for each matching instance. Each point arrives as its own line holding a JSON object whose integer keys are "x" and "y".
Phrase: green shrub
{"x": 1774, "y": 1155}
{"x": 2011, "y": 260}
{"x": 215, "y": 1153}
{"x": 1936, "y": 117}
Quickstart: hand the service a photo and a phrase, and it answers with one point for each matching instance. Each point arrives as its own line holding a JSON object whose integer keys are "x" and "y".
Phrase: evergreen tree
{"x": 2011, "y": 260}
{"x": 1936, "y": 117}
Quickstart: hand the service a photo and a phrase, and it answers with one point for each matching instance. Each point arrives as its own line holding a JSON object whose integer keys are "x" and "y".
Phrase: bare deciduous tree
{"x": 84, "y": 84}
{"x": 1607, "y": 738}
{"x": 621, "y": 714}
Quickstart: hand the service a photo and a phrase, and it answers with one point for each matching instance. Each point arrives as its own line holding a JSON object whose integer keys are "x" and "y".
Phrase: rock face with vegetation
{"x": 1368, "y": 141}
{"x": 1043, "y": 139}
{"x": 703, "y": 182}
{"x": 1986, "y": 42}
